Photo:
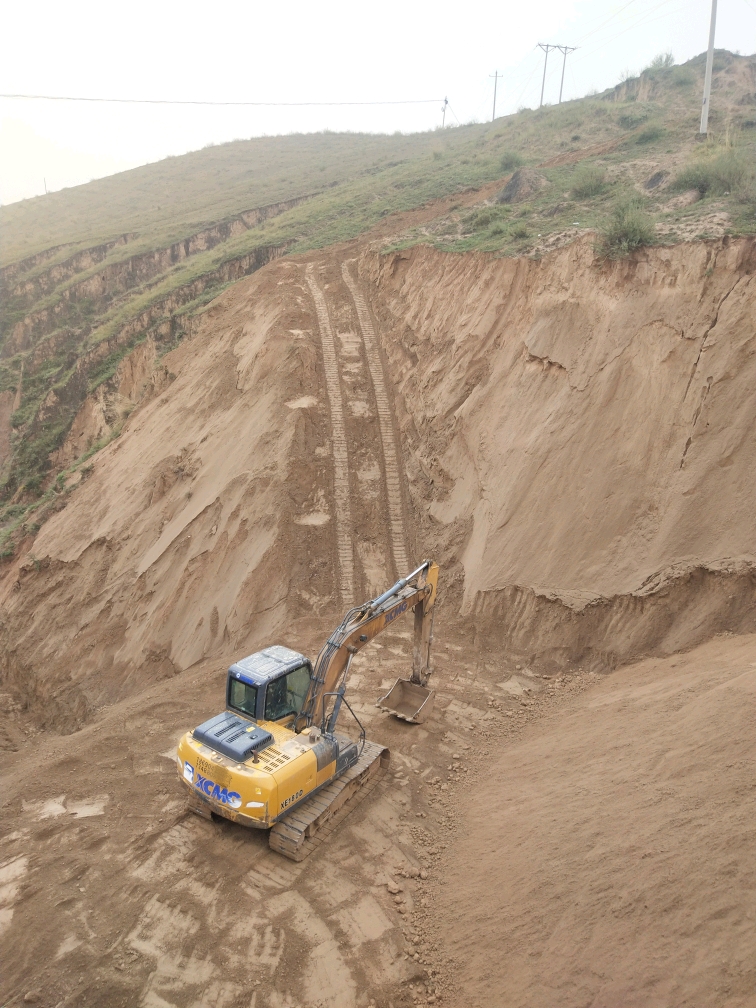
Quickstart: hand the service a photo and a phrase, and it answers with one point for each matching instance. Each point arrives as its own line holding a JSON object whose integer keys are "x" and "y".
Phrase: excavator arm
{"x": 360, "y": 625}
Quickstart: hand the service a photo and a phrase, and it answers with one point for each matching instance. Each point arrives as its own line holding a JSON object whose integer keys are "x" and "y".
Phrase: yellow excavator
{"x": 273, "y": 759}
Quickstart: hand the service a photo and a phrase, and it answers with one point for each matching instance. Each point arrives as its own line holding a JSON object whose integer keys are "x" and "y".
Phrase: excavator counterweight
{"x": 273, "y": 759}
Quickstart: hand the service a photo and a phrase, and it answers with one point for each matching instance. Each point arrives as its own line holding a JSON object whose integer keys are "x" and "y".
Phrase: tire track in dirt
{"x": 385, "y": 424}
{"x": 341, "y": 488}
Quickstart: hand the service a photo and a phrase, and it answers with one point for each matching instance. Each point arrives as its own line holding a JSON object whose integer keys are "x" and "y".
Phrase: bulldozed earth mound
{"x": 572, "y": 440}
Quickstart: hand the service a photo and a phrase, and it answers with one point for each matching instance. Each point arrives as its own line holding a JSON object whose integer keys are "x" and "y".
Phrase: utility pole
{"x": 443, "y": 112}
{"x": 564, "y": 49}
{"x": 546, "y": 49}
{"x": 496, "y": 81}
{"x": 704, "y": 128}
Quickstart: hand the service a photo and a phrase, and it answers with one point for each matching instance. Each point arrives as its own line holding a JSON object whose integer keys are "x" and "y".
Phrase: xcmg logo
{"x": 211, "y": 789}
{"x": 397, "y": 612}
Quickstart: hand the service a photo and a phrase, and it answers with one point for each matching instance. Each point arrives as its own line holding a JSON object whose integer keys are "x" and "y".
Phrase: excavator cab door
{"x": 285, "y": 695}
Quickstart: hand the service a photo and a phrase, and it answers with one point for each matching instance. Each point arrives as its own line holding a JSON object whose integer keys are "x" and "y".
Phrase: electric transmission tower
{"x": 564, "y": 49}
{"x": 496, "y": 81}
{"x": 547, "y": 49}
{"x": 704, "y": 127}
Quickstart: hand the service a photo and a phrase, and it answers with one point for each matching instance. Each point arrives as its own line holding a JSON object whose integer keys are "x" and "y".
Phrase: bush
{"x": 649, "y": 134}
{"x": 630, "y": 121}
{"x": 664, "y": 61}
{"x": 628, "y": 228}
{"x": 588, "y": 180}
{"x": 727, "y": 172}
{"x": 683, "y": 76}
{"x": 510, "y": 161}
{"x": 481, "y": 219}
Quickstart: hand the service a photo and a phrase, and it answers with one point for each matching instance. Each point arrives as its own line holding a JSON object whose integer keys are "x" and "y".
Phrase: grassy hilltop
{"x": 91, "y": 273}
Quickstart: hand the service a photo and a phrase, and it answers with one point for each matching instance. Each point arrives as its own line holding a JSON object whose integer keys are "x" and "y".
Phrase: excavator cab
{"x": 271, "y": 685}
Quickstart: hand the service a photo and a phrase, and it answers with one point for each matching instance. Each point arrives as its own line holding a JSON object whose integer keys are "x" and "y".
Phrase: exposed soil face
{"x": 577, "y": 437}
{"x": 574, "y": 443}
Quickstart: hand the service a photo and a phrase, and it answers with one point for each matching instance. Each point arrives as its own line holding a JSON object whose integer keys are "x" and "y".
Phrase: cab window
{"x": 286, "y": 696}
{"x": 243, "y": 697}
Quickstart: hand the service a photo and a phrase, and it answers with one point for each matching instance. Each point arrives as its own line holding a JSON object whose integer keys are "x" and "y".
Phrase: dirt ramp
{"x": 608, "y": 859}
{"x": 575, "y": 430}
{"x": 179, "y": 543}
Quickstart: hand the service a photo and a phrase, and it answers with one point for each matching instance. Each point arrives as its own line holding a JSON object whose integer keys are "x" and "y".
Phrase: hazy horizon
{"x": 336, "y": 54}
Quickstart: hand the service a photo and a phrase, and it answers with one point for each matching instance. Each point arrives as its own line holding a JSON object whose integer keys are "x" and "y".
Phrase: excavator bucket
{"x": 409, "y": 701}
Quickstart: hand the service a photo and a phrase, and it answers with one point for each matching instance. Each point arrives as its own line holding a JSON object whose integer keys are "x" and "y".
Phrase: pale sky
{"x": 299, "y": 51}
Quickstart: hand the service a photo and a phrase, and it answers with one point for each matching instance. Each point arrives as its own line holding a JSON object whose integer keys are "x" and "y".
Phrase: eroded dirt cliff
{"x": 575, "y": 442}
{"x": 578, "y": 437}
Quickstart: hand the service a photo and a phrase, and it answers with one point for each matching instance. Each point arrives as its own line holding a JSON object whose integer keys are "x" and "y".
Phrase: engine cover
{"x": 233, "y": 737}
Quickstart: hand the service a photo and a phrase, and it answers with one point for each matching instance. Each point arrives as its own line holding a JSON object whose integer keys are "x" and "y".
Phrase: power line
{"x": 168, "y": 101}
{"x": 452, "y": 112}
{"x": 527, "y": 83}
{"x": 603, "y": 23}
{"x": 644, "y": 20}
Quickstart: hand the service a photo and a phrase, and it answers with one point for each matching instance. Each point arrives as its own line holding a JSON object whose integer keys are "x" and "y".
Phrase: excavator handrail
{"x": 342, "y": 699}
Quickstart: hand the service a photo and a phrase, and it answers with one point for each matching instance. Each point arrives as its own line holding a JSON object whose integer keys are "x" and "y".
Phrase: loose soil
{"x": 572, "y": 440}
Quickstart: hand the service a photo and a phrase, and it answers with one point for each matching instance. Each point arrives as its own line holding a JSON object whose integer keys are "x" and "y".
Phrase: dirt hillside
{"x": 582, "y": 469}
{"x": 572, "y": 439}
{"x": 579, "y": 438}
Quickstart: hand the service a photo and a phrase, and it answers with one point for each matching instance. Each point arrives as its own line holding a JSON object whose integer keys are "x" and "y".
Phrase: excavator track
{"x": 310, "y": 823}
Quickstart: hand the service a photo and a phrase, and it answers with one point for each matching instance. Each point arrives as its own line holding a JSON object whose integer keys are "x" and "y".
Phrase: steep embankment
{"x": 579, "y": 439}
{"x": 575, "y": 442}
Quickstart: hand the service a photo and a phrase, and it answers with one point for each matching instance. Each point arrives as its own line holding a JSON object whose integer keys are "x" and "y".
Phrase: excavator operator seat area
{"x": 286, "y": 695}
{"x": 270, "y": 685}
